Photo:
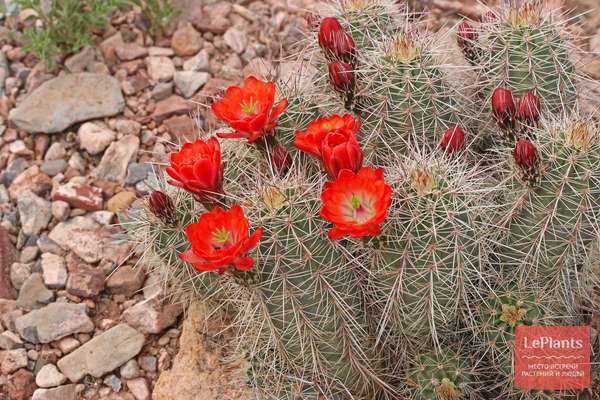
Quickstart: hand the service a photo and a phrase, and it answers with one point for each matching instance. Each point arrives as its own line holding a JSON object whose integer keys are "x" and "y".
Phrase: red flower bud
{"x": 281, "y": 159}
{"x": 503, "y": 106}
{"x": 341, "y": 75}
{"x": 162, "y": 206}
{"x": 466, "y": 35}
{"x": 489, "y": 17}
{"x": 525, "y": 154}
{"x": 453, "y": 140}
{"x": 341, "y": 151}
{"x": 336, "y": 43}
{"x": 529, "y": 108}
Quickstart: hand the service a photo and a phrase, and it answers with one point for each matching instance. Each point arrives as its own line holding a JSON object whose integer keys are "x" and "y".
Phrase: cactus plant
{"x": 360, "y": 246}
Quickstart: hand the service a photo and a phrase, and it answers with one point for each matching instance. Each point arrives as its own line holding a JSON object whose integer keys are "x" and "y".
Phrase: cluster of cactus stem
{"x": 475, "y": 243}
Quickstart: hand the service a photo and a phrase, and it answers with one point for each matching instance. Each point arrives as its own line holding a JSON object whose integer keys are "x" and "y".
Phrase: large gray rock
{"x": 113, "y": 166}
{"x": 35, "y": 212}
{"x": 66, "y": 392}
{"x": 54, "y": 322}
{"x": 66, "y": 100}
{"x": 103, "y": 353}
{"x": 34, "y": 294}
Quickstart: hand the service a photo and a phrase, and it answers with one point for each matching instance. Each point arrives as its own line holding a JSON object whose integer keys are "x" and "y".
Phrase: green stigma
{"x": 221, "y": 235}
{"x": 327, "y": 125}
{"x": 250, "y": 107}
{"x": 355, "y": 202}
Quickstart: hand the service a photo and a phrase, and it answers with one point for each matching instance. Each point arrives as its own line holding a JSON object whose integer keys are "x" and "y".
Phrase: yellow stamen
{"x": 273, "y": 198}
{"x": 221, "y": 235}
{"x": 423, "y": 181}
{"x": 403, "y": 48}
{"x": 580, "y": 136}
{"x": 250, "y": 107}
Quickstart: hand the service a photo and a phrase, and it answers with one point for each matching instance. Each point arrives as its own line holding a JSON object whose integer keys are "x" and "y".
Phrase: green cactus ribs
{"x": 443, "y": 376}
{"x": 525, "y": 50}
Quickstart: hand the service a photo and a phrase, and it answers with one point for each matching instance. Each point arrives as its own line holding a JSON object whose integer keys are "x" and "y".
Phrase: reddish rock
{"x": 7, "y": 257}
{"x": 86, "y": 281}
{"x": 20, "y": 385}
{"x": 172, "y": 105}
{"x": 135, "y": 84}
{"x": 109, "y": 188}
{"x": 84, "y": 197}
{"x": 31, "y": 179}
{"x": 186, "y": 41}
{"x": 151, "y": 316}
{"x": 126, "y": 280}
{"x": 181, "y": 127}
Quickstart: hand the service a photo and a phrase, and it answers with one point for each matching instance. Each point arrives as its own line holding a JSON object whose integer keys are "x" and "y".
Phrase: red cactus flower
{"x": 339, "y": 151}
{"x": 197, "y": 168}
{"x": 503, "y": 106}
{"x": 356, "y": 203}
{"x": 249, "y": 109}
{"x": 466, "y": 34}
{"x": 529, "y": 108}
{"x": 281, "y": 159}
{"x": 220, "y": 240}
{"x": 341, "y": 75}
{"x": 525, "y": 154}
{"x": 453, "y": 139}
{"x": 333, "y": 141}
{"x": 162, "y": 206}
{"x": 489, "y": 17}
{"x": 336, "y": 43}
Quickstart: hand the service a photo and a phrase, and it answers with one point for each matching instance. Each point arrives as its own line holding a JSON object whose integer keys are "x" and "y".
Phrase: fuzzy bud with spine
{"x": 529, "y": 109}
{"x": 453, "y": 140}
{"x": 504, "y": 109}
{"x": 162, "y": 206}
{"x": 527, "y": 160}
{"x": 335, "y": 42}
{"x": 466, "y": 37}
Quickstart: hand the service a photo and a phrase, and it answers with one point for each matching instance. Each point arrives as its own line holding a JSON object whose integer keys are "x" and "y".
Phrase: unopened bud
{"x": 529, "y": 108}
{"x": 336, "y": 43}
{"x": 342, "y": 76}
{"x": 162, "y": 206}
{"x": 281, "y": 159}
{"x": 453, "y": 140}
{"x": 503, "y": 106}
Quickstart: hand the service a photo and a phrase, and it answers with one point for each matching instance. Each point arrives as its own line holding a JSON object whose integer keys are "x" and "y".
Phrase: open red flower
{"x": 249, "y": 109}
{"x": 333, "y": 141}
{"x": 220, "y": 240}
{"x": 453, "y": 140}
{"x": 356, "y": 203}
{"x": 197, "y": 168}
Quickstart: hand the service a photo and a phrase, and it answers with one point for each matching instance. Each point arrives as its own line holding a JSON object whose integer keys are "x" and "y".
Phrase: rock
{"x": 127, "y": 127}
{"x": 29, "y": 254}
{"x": 21, "y": 385}
{"x": 66, "y": 392}
{"x": 113, "y": 382}
{"x": 126, "y": 280}
{"x": 100, "y": 355}
{"x": 80, "y": 61}
{"x": 173, "y": 105}
{"x": 31, "y": 179}
{"x": 135, "y": 84}
{"x": 34, "y": 212}
{"x": 127, "y": 51}
{"x": 188, "y": 82}
{"x": 80, "y": 235}
{"x": 33, "y": 293}
{"x": 60, "y": 210}
{"x": 68, "y": 344}
{"x": 86, "y": 281}
{"x": 200, "y": 62}
{"x": 15, "y": 168}
{"x": 66, "y": 100}
{"x": 150, "y": 316}
{"x": 113, "y": 166}
{"x": 8, "y": 255}
{"x": 186, "y": 41}
{"x": 84, "y": 197}
{"x": 148, "y": 363}
{"x": 592, "y": 69}
{"x": 130, "y": 370}
{"x": 160, "y": 51}
{"x": 236, "y": 39}
{"x": 12, "y": 360}
{"x": 162, "y": 90}
{"x": 160, "y": 68}
{"x": 198, "y": 371}
{"x": 54, "y": 270}
{"x": 54, "y": 321}
{"x": 137, "y": 173}
{"x": 139, "y": 388}
{"x": 181, "y": 127}
{"x": 77, "y": 162}
{"x": 49, "y": 376}
{"x": 56, "y": 151}
{"x": 120, "y": 201}
{"x": 94, "y": 138}
{"x": 54, "y": 167}
{"x": 19, "y": 273}
{"x": 10, "y": 341}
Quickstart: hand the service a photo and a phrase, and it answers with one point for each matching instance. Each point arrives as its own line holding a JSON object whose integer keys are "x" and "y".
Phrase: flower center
{"x": 447, "y": 390}
{"x": 423, "y": 181}
{"x": 220, "y": 236}
{"x": 273, "y": 198}
{"x": 327, "y": 125}
{"x": 527, "y": 15}
{"x": 512, "y": 315}
{"x": 249, "y": 107}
